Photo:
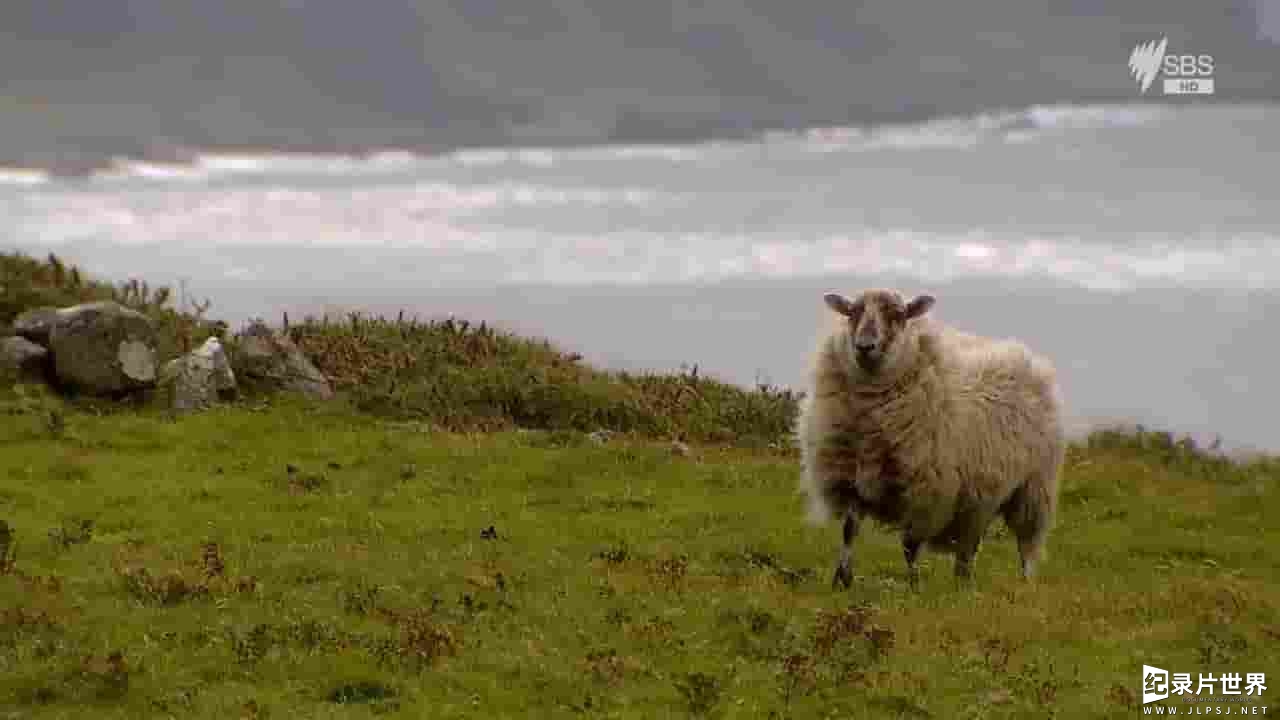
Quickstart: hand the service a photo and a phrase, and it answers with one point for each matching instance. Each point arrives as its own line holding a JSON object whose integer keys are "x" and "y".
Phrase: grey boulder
{"x": 22, "y": 359}
{"x": 270, "y": 359}
{"x": 103, "y": 348}
{"x": 36, "y": 324}
{"x": 198, "y": 379}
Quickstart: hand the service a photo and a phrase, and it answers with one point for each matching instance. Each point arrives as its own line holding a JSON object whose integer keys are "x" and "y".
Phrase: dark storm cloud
{"x": 87, "y": 78}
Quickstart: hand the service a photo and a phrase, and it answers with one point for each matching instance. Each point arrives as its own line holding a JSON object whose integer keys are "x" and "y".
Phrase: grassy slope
{"x": 454, "y": 375}
{"x": 634, "y": 582}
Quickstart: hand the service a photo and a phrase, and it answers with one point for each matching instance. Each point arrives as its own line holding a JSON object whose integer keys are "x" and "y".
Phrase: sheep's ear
{"x": 919, "y": 306}
{"x": 839, "y": 303}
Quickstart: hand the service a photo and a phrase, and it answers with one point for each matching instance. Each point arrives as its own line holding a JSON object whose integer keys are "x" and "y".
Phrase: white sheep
{"x": 930, "y": 430}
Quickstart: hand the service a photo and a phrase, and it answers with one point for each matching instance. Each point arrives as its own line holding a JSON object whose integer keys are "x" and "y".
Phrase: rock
{"x": 680, "y": 449}
{"x": 600, "y": 437}
{"x": 198, "y": 379}
{"x": 21, "y": 358}
{"x": 272, "y": 359}
{"x": 103, "y": 348}
{"x": 36, "y": 324}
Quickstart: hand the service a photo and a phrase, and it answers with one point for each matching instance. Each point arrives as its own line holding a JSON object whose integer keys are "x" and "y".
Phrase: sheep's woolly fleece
{"x": 953, "y": 416}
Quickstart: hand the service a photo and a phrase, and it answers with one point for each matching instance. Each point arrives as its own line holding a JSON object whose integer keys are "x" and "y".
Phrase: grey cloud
{"x": 80, "y": 80}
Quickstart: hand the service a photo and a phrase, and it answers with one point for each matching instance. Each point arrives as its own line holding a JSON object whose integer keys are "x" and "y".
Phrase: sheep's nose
{"x": 864, "y": 345}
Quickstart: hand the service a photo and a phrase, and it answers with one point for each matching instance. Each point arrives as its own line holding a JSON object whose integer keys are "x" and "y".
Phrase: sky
{"x": 83, "y": 80}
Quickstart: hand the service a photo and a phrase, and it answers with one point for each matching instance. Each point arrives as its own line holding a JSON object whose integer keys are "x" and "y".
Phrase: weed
{"x": 751, "y": 559}
{"x": 700, "y": 691}
{"x": 361, "y": 692}
{"x": 108, "y": 675}
{"x": 168, "y": 589}
{"x": 1042, "y": 681}
{"x": 74, "y": 531}
{"x": 1220, "y": 644}
{"x": 422, "y": 640}
{"x": 252, "y": 646}
{"x": 214, "y": 566}
{"x": 798, "y": 676}
{"x": 653, "y": 629}
{"x": 607, "y": 666}
{"x": 670, "y": 571}
{"x": 899, "y": 706}
{"x": 177, "y": 585}
{"x": 840, "y": 626}
{"x": 360, "y": 598}
{"x": 615, "y": 555}
{"x": 299, "y": 482}
{"x": 1122, "y": 695}
{"x": 8, "y": 549}
{"x": 56, "y": 422}
{"x": 755, "y": 632}
{"x": 882, "y": 640}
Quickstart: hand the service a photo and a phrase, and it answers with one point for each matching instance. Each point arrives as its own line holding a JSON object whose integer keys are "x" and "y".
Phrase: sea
{"x": 1136, "y": 245}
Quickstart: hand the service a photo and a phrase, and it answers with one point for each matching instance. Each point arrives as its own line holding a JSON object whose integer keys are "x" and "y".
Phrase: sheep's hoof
{"x": 843, "y": 577}
{"x": 913, "y": 579}
{"x": 964, "y": 577}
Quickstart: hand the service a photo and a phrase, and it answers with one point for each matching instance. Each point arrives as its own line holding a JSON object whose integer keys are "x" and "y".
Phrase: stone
{"x": 36, "y": 324}
{"x": 103, "y": 348}
{"x": 271, "y": 359}
{"x": 22, "y": 359}
{"x": 199, "y": 379}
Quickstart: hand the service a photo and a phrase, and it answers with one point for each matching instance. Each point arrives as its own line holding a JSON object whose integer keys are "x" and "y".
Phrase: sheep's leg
{"x": 964, "y": 561}
{"x": 967, "y": 546}
{"x": 1029, "y": 524}
{"x": 1030, "y": 552}
{"x": 1030, "y": 544}
{"x": 911, "y": 552}
{"x": 1030, "y": 548}
{"x": 844, "y": 574}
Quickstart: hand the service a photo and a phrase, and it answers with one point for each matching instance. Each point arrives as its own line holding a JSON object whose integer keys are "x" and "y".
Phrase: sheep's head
{"x": 876, "y": 320}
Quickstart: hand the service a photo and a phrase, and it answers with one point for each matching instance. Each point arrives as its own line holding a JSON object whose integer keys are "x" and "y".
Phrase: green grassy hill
{"x": 421, "y": 549}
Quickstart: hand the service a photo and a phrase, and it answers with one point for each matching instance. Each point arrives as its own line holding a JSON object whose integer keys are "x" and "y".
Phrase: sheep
{"x": 929, "y": 430}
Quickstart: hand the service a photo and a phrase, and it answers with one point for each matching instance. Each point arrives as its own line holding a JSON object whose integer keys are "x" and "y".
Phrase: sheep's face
{"x": 876, "y": 320}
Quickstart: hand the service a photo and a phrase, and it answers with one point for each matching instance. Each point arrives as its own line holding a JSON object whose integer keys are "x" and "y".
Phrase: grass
{"x": 452, "y": 538}
{"x": 462, "y": 376}
{"x": 287, "y": 560}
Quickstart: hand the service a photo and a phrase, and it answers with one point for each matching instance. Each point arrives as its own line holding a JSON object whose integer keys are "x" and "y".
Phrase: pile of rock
{"x": 106, "y": 349}
{"x": 98, "y": 348}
